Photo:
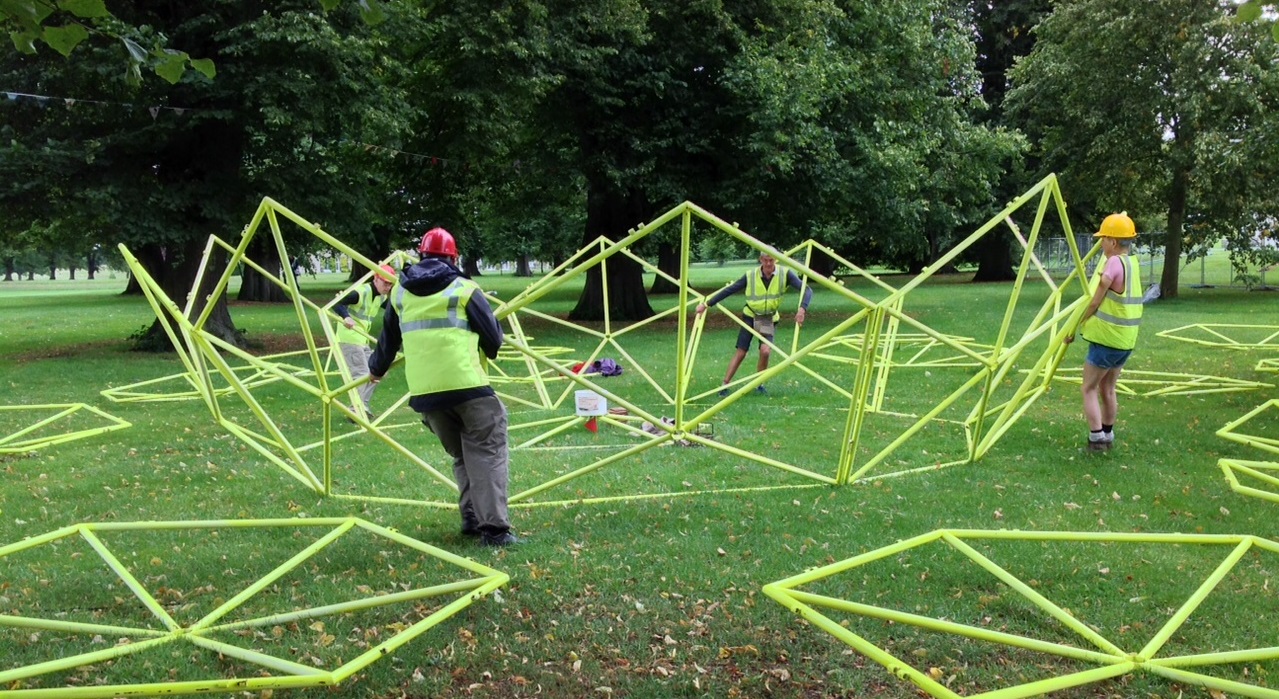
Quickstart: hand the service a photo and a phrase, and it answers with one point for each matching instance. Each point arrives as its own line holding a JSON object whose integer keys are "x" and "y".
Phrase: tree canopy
{"x": 530, "y": 127}
{"x": 1153, "y": 108}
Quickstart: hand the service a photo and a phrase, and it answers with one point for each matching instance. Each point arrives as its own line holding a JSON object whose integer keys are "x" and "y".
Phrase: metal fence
{"x": 1206, "y": 271}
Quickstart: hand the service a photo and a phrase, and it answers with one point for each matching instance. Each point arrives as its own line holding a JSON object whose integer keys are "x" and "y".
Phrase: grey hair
{"x": 1124, "y": 243}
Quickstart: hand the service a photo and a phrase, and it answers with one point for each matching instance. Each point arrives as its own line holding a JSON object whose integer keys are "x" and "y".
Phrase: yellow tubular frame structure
{"x": 22, "y": 440}
{"x": 277, "y": 673}
{"x": 1162, "y": 383}
{"x": 875, "y": 333}
{"x": 1111, "y": 659}
{"x": 1218, "y": 335}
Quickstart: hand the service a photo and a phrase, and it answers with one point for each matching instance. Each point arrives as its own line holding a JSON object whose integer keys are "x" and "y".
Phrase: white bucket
{"x": 590, "y": 404}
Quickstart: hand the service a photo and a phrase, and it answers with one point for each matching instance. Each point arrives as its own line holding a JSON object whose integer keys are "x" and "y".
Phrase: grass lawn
{"x": 656, "y": 597}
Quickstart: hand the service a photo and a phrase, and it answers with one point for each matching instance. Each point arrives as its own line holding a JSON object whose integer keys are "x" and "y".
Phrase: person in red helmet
{"x": 446, "y": 327}
{"x": 357, "y": 310}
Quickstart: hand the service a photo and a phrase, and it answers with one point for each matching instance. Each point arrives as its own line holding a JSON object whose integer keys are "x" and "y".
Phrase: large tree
{"x": 163, "y": 167}
{"x": 1143, "y": 106}
{"x": 863, "y": 130}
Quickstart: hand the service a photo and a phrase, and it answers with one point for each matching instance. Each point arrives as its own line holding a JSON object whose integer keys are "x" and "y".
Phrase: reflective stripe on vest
{"x": 1116, "y": 320}
{"x": 440, "y": 351}
{"x": 362, "y": 312}
{"x": 764, "y": 298}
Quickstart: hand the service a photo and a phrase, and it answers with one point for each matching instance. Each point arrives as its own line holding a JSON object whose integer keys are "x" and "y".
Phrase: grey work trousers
{"x": 474, "y": 434}
{"x": 357, "y": 362}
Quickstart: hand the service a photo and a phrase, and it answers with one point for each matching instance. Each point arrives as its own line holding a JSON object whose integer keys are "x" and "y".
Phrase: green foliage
{"x": 1153, "y": 108}
{"x": 32, "y": 21}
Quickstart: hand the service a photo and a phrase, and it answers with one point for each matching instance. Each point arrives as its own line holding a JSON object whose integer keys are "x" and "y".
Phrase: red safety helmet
{"x": 390, "y": 271}
{"x": 438, "y": 241}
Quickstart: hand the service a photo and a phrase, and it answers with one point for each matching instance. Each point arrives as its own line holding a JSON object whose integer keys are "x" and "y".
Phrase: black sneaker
{"x": 760, "y": 390}
{"x": 723, "y": 393}
{"x": 503, "y": 539}
{"x": 471, "y": 529}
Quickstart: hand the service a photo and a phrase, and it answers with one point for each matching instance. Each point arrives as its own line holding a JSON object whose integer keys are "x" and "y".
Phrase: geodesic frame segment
{"x": 1266, "y": 337}
{"x": 1111, "y": 660}
{"x": 205, "y": 356}
{"x": 19, "y": 442}
{"x": 140, "y": 392}
{"x": 985, "y": 423}
{"x": 1232, "y": 433}
{"x": 1266, "y": 472}
{"x": 292, "y": 674}
{"x": 988, "y": 419}
{"x": 1162, "y": 383}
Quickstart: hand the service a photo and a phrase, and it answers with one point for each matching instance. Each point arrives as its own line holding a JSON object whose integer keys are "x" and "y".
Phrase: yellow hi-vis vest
{"x": 440, "y": 351}
{"x": 764, "y": 299}
{"x": 1117, "y": 319}
{"x": 362, "y": 312}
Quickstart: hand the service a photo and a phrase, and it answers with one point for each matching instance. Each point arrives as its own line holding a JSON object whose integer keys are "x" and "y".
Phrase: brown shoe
{"x": 1098, "y": 446}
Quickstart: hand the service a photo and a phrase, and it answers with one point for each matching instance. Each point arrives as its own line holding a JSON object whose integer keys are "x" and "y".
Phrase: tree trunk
{"x": 821, "y": 263}
{"x": 91, "y": 264}
{"x": 610, "y": 212}
{"x": 994, "y": 258}
{"x": 53, "y": 267}
{"x": 254, "y": 286}
{"x": 9, "y": 268}
{"x": 471, "y": 266}
{"x": 31, "y": 275}
{"x": 522, "y": 267}
{"x": 1176, "y": 223}
{"x": 176, "y": 275}
{"x": 667, "y": 261}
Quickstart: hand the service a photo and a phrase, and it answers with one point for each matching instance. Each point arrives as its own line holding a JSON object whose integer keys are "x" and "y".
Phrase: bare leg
{"x": 1109, "y": 399}
{"x": 764, "y": 352}
{"x": 1091, "y": 390}
{"x": 733, "y": 364}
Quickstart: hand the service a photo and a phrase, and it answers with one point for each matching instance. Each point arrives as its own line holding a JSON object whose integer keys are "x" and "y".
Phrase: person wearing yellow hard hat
{"x": 1109, "y": 324}
{"x": 357, "y": 310}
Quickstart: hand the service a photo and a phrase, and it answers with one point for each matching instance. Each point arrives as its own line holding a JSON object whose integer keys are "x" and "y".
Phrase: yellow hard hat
{"x": 1117, "y": 226}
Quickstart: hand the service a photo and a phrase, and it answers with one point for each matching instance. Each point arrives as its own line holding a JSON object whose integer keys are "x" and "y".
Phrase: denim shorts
{"x": 744, "y": 336}
{"x": 1104, "y": 357}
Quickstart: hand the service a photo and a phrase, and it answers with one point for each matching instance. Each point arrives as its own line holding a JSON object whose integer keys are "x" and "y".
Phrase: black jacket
{"x": 428, "y": 277}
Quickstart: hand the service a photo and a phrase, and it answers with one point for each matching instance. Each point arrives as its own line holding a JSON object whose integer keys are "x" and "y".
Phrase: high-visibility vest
{"x": 761, "y": 298}
{"x": 362, "y": 312}
{"x": 1116, "y": 321}
{"x": 440, "y": 351}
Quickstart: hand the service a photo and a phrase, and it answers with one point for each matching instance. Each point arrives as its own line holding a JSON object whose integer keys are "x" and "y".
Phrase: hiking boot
{"x": 1098, "y": 445}
{"x": 503, "y": 539}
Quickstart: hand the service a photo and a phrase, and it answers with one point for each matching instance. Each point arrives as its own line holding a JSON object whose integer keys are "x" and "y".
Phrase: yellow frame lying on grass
{"x": 1231, "y": 431}
{"x": 257, "y": 376}
{"x": 15, "y": 444}
{"x": 1257, "y": 470}
{"x": 1112, "y": 660}
{"x": 1219, "y": 338}
{"x": 292, "y": 673}
{"x": 1163, "y": 383}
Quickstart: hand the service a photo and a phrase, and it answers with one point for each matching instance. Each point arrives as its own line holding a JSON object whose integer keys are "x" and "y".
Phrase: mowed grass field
{"x": 657, "y": 596}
